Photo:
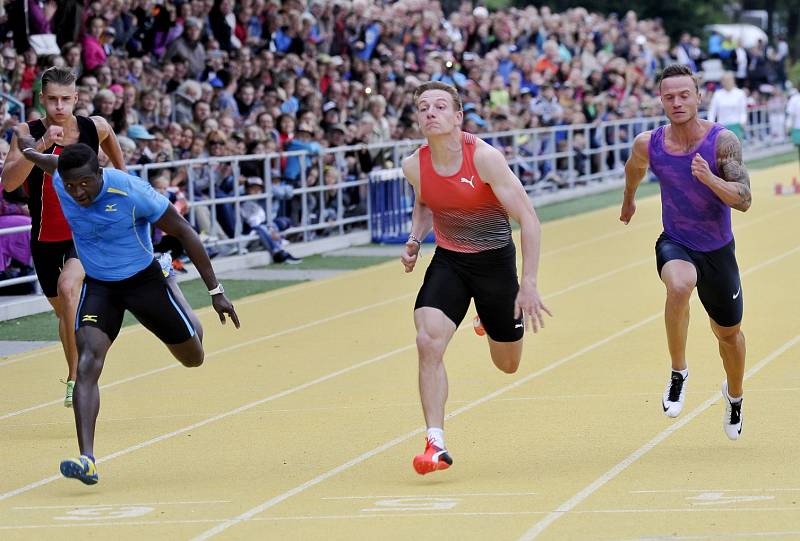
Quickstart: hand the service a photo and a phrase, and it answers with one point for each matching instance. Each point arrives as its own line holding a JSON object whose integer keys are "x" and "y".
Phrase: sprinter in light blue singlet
{"x": 110, "y": 213}
{"x": 699, "y": 166}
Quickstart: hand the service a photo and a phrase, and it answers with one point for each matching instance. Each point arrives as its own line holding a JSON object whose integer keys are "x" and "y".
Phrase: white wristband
{"x": 217, "y": 290}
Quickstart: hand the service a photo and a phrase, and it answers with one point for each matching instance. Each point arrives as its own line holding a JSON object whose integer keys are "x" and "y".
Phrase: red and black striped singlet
{"x": 48, "y": 222}
{"x": 467, "y": 217}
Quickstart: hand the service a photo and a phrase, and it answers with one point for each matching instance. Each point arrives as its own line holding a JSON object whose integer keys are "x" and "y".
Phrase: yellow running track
{"x": 302, "y": 424}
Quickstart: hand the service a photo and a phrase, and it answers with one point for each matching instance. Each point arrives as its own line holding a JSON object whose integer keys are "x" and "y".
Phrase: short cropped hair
{"x": 438, "y": 85}
{"x": 75, "y": 156}
{"x": 678, "y": 70}
{"x": 57, "y": 76}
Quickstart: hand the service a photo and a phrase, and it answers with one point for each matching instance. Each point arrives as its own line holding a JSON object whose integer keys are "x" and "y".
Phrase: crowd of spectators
{"x": 182, "y": 79}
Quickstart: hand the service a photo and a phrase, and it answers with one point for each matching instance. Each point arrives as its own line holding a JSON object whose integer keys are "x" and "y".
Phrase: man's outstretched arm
{"x": 27, "y": 145}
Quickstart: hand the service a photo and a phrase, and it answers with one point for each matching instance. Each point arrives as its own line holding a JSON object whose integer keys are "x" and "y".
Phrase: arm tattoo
{"x": 729, "y": 160}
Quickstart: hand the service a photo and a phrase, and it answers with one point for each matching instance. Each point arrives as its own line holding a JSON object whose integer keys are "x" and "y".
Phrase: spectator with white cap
{"x": 142, "y": 138}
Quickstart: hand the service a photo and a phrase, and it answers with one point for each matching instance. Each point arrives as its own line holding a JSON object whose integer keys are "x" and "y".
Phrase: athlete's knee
{"x": 430, "y": 347}
{"x": 191, "y": 356}
{"x": 68, "y": 292}
{"x": 679, "y": 290}
{"x": 729, "y": 336}
{"x": 507, "y": 364}
{"x": 507, "y": 361}
{"x": 90, "y": 365}
{"x": 192, "y": 360}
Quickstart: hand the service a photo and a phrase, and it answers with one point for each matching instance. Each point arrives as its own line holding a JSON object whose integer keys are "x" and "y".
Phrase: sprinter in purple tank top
{"x": 699, "y": 166}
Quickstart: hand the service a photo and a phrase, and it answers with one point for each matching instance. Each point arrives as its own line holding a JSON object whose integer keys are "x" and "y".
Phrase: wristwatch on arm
{"x": 219, "y": 290}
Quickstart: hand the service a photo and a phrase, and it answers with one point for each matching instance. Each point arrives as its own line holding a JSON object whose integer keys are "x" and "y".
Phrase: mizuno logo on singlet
{"x": 469, "y": 181}
{"x": 90, "y": 318}
{"x": 111, "y": 207}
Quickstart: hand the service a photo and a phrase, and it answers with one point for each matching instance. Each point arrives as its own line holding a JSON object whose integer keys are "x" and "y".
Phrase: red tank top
{"x": 48, "y": 223}
{"x": 467, "y": 217}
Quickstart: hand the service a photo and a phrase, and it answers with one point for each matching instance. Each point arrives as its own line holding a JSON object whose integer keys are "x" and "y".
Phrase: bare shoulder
{"x": 102, "y": 125}
{"x": 487, "y": 157}
{"x": 641, "y": 149}
{"x": 410, "y": 165}
{"x": 22, "y": 128}
{"x": 643, "y": 139}
{"x": 729, "y": 146}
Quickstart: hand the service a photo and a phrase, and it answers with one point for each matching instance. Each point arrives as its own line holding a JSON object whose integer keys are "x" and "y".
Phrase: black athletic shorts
{"x": 146, "y": 294}
{"x": 718, "y": 283}
{"x": 48, "y": 260}
{"x": 490, "y": 277}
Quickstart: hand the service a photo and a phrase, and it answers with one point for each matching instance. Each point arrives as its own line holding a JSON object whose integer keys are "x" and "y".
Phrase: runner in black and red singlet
{"x": 466, "y": 192}
{"x": 57, "y": 266}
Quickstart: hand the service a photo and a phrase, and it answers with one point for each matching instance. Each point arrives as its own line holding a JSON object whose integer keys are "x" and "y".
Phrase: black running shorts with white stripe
{"x": 148, "y": 297}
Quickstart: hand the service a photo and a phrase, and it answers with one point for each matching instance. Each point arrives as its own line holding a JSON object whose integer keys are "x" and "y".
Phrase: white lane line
{"x": 240, "y": 409}
{"x": 400, "y": 439}
{"x": 316, "y": 283}
{"x": 691, "y": 490}
{"x": 224, "y": 350}
{"x": 247, "y": 515}
{"x": 594, "y": 486}
{"x": 414, "y": 515}
{"x": 377, "y": 450}
{"x": 462, "y": 495}
{"x": 35, "y": 353}
{"x": 89, "y": 506}
{"x": 258, "y": 297}
{"x": 394, "y": 405}
{"x": 304, "y": 326}
{"x": 794, "y": 534}
{"x": 209, "y": 420}
{"x": 331, "y": 375}
{"x": 694, "y": 391}
{"x": 587, "y": 242}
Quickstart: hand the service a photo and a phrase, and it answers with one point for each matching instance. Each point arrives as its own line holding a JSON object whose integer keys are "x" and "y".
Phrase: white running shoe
{"x": 732, "y": 423}
{"x": 672, "y": 401}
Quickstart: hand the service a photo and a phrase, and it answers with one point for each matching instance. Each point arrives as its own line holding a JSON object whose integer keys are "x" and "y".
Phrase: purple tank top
{"x": 692, "y": 214}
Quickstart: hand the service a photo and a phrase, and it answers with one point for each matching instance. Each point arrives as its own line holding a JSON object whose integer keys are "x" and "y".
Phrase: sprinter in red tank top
{"x": 466, "y": 192}
{"x": 58, "y": 269}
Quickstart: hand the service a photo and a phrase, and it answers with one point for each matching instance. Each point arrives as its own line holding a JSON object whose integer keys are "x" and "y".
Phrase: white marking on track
{"x": 594, "y": 486}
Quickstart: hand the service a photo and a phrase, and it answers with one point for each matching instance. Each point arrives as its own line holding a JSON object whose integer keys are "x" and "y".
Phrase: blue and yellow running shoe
{"x": 165, "y": 260}
{"x": 82, "y": 469}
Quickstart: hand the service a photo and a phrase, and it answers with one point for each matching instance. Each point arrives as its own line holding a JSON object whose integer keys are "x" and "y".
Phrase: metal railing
{"x": 19, "y": 279}
{"x": 549, "y": 159}
{"x": 17, "y": 107}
